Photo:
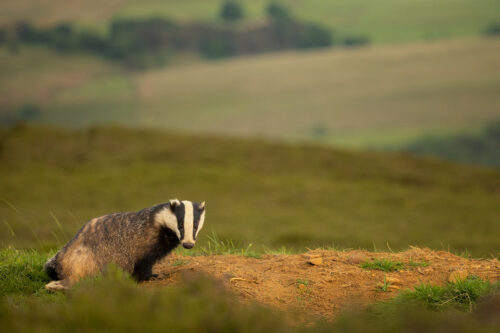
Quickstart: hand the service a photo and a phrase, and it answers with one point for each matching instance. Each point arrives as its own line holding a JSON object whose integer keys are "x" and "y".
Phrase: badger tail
{"x": 51, "y": 268}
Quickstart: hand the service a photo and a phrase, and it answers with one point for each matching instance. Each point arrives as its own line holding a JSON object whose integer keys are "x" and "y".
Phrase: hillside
{"x": 385, "y": 21}
{"x": 370, "y": 97}
{"x": 267, "y": 194}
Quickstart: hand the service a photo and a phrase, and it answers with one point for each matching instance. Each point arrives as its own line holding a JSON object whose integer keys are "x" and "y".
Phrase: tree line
{"x": 146, "y": 42}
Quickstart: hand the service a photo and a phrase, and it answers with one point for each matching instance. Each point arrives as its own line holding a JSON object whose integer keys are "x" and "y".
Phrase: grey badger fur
{"x": 134, "y": 241}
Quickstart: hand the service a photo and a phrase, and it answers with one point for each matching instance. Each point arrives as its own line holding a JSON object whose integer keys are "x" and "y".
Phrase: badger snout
{"x": 188, "y": 245}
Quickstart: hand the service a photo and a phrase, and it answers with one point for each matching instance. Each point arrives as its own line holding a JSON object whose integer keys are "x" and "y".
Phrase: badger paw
{"x": 54, "y": 286}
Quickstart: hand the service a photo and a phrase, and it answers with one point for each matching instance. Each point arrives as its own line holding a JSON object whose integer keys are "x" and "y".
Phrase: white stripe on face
{"x": 169, "y": 220}
{"x": 200, "y": 224}
{"x": 188, "y": 222}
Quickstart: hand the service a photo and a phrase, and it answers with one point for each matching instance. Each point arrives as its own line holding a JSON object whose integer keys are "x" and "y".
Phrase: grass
{"x": 215, "y": 246}
{"x": 388, "y": 265}
{"x": 416, "y": 264}
{"x": 359, "y": 97}
{"x": 384, "y": 286}
{"x": 304, "y": 291}
{"x": 114, "y": 302}
{"x": 256, "y": 192}
{"x": 462, "y": 294}
{"x": 385, "y": 21}
{"x": 304, "y": 282}
{"x": 385, "y": 265}
{"x": 21, "y": 272}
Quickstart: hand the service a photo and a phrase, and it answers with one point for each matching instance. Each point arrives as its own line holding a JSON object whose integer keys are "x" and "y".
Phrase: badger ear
{"x": 202, "y": 205}
{"x": 174, "y": 203}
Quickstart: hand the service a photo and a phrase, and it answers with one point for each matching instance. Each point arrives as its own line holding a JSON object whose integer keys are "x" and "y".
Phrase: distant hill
{"x": 371, "y": 97}
{"x": 385, "y": 21}
{"x": 257, "y": 192}
{"x": 480, "y": 148}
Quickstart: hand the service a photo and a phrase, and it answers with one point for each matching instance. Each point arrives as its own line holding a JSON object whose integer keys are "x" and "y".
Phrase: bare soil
{"x": 333, "y": 283}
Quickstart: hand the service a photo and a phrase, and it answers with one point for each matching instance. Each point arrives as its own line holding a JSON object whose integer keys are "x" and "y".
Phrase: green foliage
{"x": 418, "y": 263}
{"x": 482, "y": 148}
{"x": 492, "y": 30}
{"x": 278, "y": 13}
{"x": 217, "y": 46}
{"x": 231, "y": 11}
{"x": 385, "y": 286}
{"x": 312, "y": 36}
{"x": 386, "y": 265}
{"x": 21, "y": 272}
{"x": 462, "y": 294}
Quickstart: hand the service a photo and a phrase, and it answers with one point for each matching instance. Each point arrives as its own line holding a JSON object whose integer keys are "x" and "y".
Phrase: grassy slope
{"x": 256, "y": 192}
{"x": 383, "y": 20}
{"x": 363, "y": 97}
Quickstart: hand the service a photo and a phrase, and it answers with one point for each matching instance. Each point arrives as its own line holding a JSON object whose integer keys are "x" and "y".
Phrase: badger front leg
{"x": 143, "y": 270}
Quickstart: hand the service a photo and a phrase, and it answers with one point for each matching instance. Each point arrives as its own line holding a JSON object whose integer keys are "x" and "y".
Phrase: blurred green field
{"x": 370, "y": 97}
{"x": 385, "y": 21}
{"x": 271, "y": 195}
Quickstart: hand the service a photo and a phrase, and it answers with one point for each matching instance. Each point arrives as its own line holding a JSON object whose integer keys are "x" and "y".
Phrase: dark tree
{"x": 231, "y": 11}
{"x": 492, "y": 30}
{"x": 278, "y": 13}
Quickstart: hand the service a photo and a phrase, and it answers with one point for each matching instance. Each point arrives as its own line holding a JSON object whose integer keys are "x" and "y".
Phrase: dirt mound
{"x": 324, "y": 282}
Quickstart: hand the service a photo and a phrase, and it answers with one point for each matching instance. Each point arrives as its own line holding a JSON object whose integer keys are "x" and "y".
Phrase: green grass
{"x": 388, "y": 265}
{"x": 385, "y": 21}
{"x": 385, "y": 265}
{"x": 462, "y": 294}
{"x": 216, "y": 246}
{"x": 304, "y": 282}
{"x": 384, "y": 286}
{"x": 266, "y": 194}
{"x": 115, "y": 303}
{"x": 415, "y": 264}
{"x": 21, "y": 272}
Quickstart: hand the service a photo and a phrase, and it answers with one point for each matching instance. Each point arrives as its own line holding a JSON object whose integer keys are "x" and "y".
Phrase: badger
{"x": 133, "y": 241}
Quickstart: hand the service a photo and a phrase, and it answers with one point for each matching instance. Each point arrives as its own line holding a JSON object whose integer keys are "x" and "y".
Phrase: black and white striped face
{"x": 188, "y": 221}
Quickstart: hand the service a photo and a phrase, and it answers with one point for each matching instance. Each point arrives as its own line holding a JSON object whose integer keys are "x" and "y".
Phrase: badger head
{"x": 185, "y": 219}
